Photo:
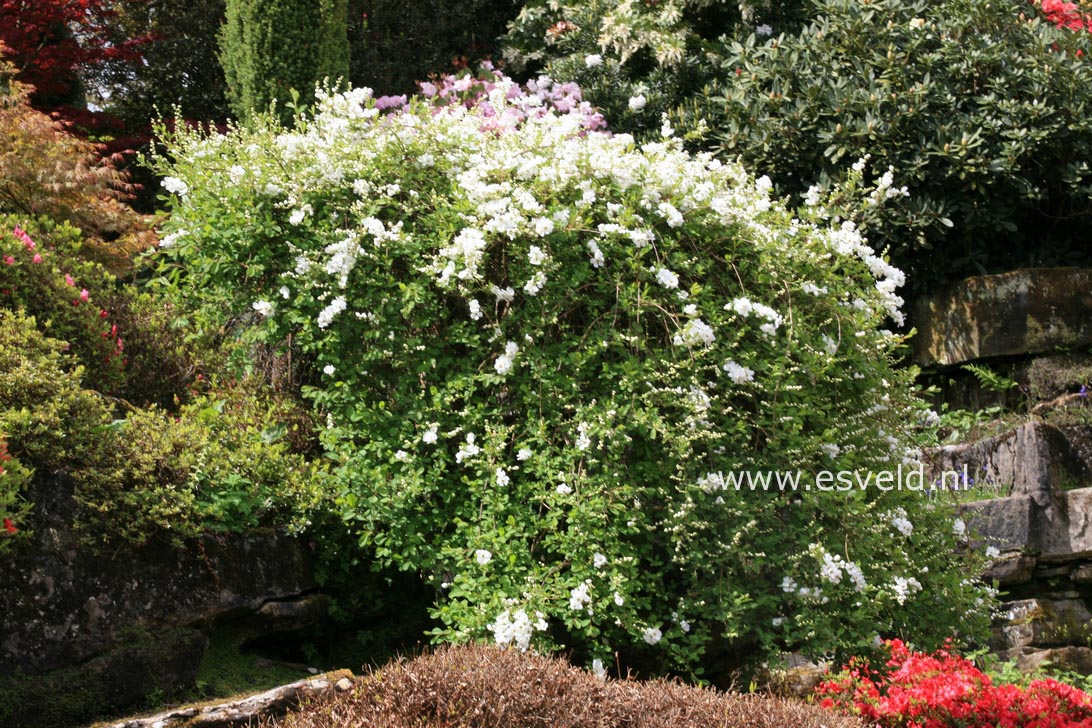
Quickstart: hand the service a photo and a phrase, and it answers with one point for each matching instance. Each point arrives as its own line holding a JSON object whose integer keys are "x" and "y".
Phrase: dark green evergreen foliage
{"x": 398, "y": 42}
{"x": 180, "y": 65}
{"x": 268, "y": 48}
{"x": 981, "y": 109}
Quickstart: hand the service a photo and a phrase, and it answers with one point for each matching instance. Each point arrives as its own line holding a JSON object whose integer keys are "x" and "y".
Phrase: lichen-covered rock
{"x": 1042, "y": 623}
{"x": 1071, "y": 658}
{"x": 1023, "y": 312}
{"x": 1007, "y": 524}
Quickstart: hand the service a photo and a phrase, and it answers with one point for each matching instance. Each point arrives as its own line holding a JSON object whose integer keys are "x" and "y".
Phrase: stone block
{"x": 1009, "y": 524}
{"x": 1026, "y": 311}
{"x": 1034, "y": 459}
{"x": 1009, "y": 569}
{"x": 1041, "y": 623}
{"x": 1070, "y": 658}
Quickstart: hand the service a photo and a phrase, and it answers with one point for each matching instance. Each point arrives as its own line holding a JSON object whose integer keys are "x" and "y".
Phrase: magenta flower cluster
{"x": 534, "y": 99}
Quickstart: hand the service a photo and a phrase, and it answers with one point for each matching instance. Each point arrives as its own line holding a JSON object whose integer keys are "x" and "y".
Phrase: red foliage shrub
{"x": 942, "y": 689}
{"x": 51, "y": 40}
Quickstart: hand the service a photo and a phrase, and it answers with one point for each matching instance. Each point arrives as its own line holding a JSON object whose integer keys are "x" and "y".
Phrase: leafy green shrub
{"x": 980, "y": 111}
{"x": 13, "y": 506}
{"x": 223, "y": 463}
{"x": 43, "y": 274}
{"x": 542, "y": 354}
{"x": 49, "y": 420}
{"x": 45, "y": 170}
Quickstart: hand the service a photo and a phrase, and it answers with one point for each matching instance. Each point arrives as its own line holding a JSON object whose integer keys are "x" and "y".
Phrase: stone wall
{"x": 1034, "y": 326}
{"x": 114, "y": 623}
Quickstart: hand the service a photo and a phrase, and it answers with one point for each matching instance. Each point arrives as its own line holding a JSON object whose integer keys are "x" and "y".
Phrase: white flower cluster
{"x": 516, "y": 628}
{"x": 900, "y": 522}
{"x": 469, "y": 448}
{"x": 904, "y": 587}
{"x": 332, "y": 309}
{"x": 666, "y": 278}
{"x": 739, "y": 373}
{"x": 503, "y": 365}
{"x": 579, "y": 597}
{"x": 712, "y": 482}
{"x": 832, "y": 568}
{"x": 746, "y": 307}
{"x": 695, "y": 333}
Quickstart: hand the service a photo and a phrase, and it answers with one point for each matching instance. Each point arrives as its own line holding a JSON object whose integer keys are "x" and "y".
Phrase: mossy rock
{"x": 140, "y": 668}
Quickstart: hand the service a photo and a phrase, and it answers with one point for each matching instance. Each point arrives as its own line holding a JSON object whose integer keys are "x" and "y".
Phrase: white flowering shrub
{"x": 541, "y": 351}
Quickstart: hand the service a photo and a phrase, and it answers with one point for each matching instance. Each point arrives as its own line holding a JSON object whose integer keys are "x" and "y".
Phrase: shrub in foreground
{"x": 943, "y": 689}
{"x": 541, "y": 353}
{"x": 978, "y": 108}
{"x": 482, "y": 687}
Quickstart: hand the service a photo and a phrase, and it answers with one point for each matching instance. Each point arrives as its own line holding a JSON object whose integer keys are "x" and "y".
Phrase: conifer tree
{"x": 270, "y": 47}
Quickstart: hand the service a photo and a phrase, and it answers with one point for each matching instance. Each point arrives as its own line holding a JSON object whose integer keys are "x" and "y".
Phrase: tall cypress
{"x": 269, "y": 47}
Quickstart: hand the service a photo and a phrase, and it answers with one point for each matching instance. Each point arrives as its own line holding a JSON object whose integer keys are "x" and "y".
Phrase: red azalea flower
{"x": 10, "y": 527}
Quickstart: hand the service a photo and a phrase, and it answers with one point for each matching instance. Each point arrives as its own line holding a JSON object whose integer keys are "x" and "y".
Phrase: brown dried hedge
{"x": 485, "y": 687}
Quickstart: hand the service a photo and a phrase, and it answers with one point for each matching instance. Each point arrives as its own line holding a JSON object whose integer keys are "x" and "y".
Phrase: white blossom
{"x": 904, "y": 587}
{"x": 579, "y": 597}
{"x": 652, "y": 635}
{"x": 265, "y": 308}
{"x": 333, "y": 309}
{"x": 666, "y": 278}
{"x": 695, "y": 332}
{"x": 469, "y": 448}
{"x": 638, "y": 102}
{"x": 175, "y": 186}
{"x": 516, "y": 628}
{"x": 483, "y": 556}
{"x": 503, "y": 294}
{"x": 535, "y": 284}
{"x": 592, "y": 60}
{"x": 583, "y": 442}
{"x": 739, "y": 373}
